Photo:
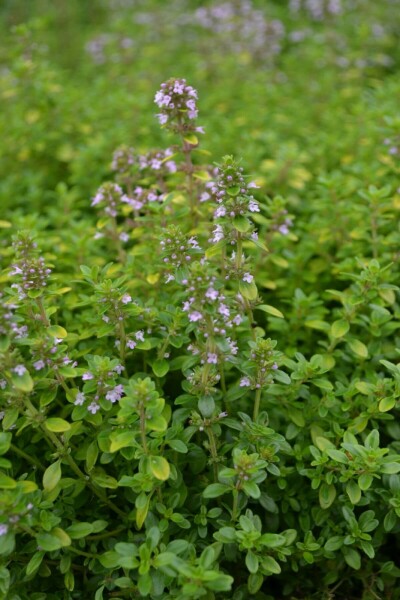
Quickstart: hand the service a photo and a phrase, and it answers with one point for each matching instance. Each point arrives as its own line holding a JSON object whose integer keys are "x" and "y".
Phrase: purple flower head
{"x": 115, "y": 394}
{"x": 93, "y": 408}
{"x": 20, "y": 370}
{"x": 39, "y": 364}
{"x": 109, "y": 197}
{"x": 212, "y": 358}
{"x": 177, "y": 103}
{"x": 247, "y": 278}
{"x": 195, "y": 316}
{"x": 3, "y": 529}
{"x": 86, "y": 376}
{"x": 245, "y": 382}
{"x": 80, "y": 399}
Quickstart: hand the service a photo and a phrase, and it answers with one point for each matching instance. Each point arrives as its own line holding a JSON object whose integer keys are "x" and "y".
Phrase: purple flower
{"x": 237, "y": 319}
{"x": 275, "y": 366}
{"x": 195, "y": 316}
{"x": 131, "y": 344}
{"x": 177, "y": 101}
{"x": 20, "y": 370}
{"x": 118, "y": 369}
{"x": 86, "y": 376}
{"x": 126, "y": 298}
{"x": 248, "y": 278}
{"x": 115, "y": 394}
{"x": 211, "y": 294}
{"x": 3, "y": 529}
{"x": 139, "y": 335}
{"x": 245, "y": 382}
{"x": 212, "y": 358}
{"x": 253, "y": 206}
{"x": 224, "y": 310}
{"x": 220, "y": 212}
{"x": 80, "y": 399}
{"x": 93, "y": 408}
{"x": 39, "y": 364}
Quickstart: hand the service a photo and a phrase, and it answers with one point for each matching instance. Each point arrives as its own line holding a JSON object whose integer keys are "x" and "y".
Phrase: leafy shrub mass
{"x": 199, "y": 365}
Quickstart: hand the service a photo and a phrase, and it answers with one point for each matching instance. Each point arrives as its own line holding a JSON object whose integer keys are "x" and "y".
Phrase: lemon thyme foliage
{"x": 201, "y": 401}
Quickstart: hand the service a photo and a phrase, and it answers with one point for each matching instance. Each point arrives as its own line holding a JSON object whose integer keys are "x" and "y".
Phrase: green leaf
{"x": 160, "y": 367}
{"x": 103, "y": 480}
{"x": 6, "y": 482}
{"x": 57, "y": 425}
{"x": 327, "y": 495}
{"x": 270, "y": 565}
{"x": 53, "y": 540}
{"x": 5, "y": 441}
{"x": 337, "y": 456}
{"x": 4, "y": 343}
{"x": 34, "y": 563}
{"x": 241, "y": 224}
{"x": 248, "y": 290}
{"x": 339, "y": 328}
{"x": 191, "y": 139}
{"x": 334, "y": 543}
{"x": 251, "y": 562}
{"x": 353, "y": 492}
{"x": 364, "y": 481}
{"x": 159, "y": 467}
{"x": 122, "y": 439}
{"x": 57, "y": 331}
{"x": 52, "y": 476}
{"x": 142, "y": 504}
{"x": 216, "y": 489}
{"x": 255, "y": 582}
{"x": 76, "y": 531}
{"x": 358, "y": 348}
{"x": 22, "y": 382}
{"x": 387, "y": 404}
{"x": 178, "y": 446}
{"x": 234, "y": 190}
{"x": 352, "y": 557}
{"x": 271, "y": 310}
{"x": 251, "y": 489}
{"x": 390, "y": 468}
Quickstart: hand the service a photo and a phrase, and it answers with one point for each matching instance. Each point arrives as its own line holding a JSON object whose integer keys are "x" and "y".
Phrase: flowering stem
{"x": 122, "y": 342}
{"x": 115, "y": 236}
{"x": 251, "y": 320}
{"x": 213, "y": 451}
{"x": 42, "y": 311}
{"x": 63, "y": 451}
{"x": 235, "y": 501}
{"x": 239, "y": 251}
{"x": 257, "y": 404}
{"x": 143, "y": 429}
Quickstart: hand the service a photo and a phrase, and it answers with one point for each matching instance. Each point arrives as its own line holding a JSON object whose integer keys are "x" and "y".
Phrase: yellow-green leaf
{"x": 22, "y": 382}
{"x": 52, "y": 476}
{"x": 159, "y": 467}
{"x": 248, "y": 290}
{"x": 340, "y": 328}
{"x": 6, "y": 482}
{"x": 57, "y": 425}
{"x": 358, "y": 348}
{"x": 57, "y": 331}
{"x": 386, "y": 404}
{"x": 271, "y": 310}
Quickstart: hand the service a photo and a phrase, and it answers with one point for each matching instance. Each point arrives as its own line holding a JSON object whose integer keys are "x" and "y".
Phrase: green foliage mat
{"x": 199, "y": 367}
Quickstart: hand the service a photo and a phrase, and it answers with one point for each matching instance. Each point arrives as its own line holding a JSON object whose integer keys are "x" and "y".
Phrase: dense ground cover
{"x": 199, "y": 387}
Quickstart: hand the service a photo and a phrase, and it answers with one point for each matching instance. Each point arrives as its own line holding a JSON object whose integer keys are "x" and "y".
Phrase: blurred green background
{"x": 298, "y": 88}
